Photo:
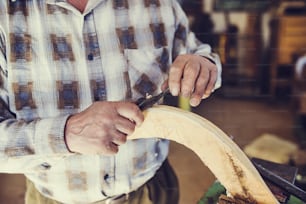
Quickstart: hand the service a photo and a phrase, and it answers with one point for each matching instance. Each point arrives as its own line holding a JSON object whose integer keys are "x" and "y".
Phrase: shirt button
{"x": 106, "y": 176}
{"x": 90, "y": 56}
{"x": 45, "y": 165}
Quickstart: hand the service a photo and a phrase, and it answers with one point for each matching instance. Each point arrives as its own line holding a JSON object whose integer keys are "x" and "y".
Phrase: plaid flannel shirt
{"x": 55, "y": 61}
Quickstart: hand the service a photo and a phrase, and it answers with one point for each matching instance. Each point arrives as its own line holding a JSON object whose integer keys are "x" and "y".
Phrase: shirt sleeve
{"x": 25, "y": 144}
{"x": 185, "y": 41}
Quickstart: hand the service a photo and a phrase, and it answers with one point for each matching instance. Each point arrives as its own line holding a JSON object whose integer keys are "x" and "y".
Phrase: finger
{"x": 101, "y": 146}
{"x": 164, "y": 86}
{"x": 109, "y": 148}
{"x": 191, "y": 73}
{"x": 119, "y": 138}
{"x": 200, "y": 87}
{"x": 125, "y": 126}
{"x": 112, "y": 148}
{"x": 130, "y": 111}
{"x": 212, "y": 81}
{"x": 176, "y": 74}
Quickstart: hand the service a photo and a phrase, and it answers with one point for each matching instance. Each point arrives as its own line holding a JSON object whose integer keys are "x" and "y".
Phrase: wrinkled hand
{"x": 102, "y": 127}
{"x": 192, "y": 76}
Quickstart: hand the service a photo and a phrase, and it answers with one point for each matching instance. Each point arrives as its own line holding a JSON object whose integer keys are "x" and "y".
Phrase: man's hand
{"x": 192, "y": 76}
{"x": 102, "y": 127}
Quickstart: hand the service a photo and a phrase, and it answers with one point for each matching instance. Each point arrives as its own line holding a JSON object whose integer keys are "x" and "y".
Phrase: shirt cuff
{"x": 49, "y": 137}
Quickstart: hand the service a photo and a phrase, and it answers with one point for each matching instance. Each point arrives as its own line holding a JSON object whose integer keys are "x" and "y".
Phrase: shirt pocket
{"x": 147, "y": 70}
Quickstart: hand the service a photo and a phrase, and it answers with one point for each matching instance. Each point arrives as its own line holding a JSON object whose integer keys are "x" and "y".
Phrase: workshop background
{"x": 262, "y": 102}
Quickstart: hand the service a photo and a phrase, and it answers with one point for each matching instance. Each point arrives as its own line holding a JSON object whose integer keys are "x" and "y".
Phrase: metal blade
{"x": 149, "y": 102}
{"x": 280, "y": 182}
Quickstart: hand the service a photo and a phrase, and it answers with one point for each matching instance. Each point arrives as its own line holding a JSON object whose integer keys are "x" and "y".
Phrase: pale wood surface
{"x": 216, "y": 150}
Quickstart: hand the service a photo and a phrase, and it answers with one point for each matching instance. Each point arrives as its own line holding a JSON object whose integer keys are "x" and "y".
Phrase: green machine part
{"x": 216, "y": 190}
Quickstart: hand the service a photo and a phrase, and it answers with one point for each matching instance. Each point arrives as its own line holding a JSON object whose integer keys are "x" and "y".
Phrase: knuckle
{"x": 199, "y": 91}
{"x": 205, "y": 68}
{"x": 136, "y": 113}
{"x": 134, "y": 108}
{"x": 203, "y": 80}
{"x": 210, "y": 86}
{"x": 131, "y": 127}
{"x": 201, "y": 86}
{"x": 198, "y": 94}
{"x": 192, "y": 70}
{"x": 187, "y": 86}
{"x": 105, "y": 124}
{"x": 214, "y": 69}
{"x": 112, "y": 151}
{"x": 174, "y": 71}
{"x": 175, "y": 67}
{"x": 212, "y": 82}
{"x": 139, "y": 112}
{"x": 122, "y": 139}
{"x": 110, "y": 148}
{"x": 173, "y": 80}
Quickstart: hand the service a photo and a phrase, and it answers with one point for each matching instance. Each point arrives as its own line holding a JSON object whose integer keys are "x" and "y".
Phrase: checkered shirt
{"x": 55, "y": 61}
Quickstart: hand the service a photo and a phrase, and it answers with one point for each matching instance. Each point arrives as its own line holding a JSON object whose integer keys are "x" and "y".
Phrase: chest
{"x": 64, "y": 61}
{"x": 112, "y": 26}
{"x": 79, "y": 4}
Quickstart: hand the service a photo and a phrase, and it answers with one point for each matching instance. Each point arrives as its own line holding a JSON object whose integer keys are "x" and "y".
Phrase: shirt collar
{"x": 49, "y": 1}
{"x": 90, "y": 5}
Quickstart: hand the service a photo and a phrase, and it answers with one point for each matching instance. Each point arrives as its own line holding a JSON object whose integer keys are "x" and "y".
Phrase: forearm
{"x": 23, "y": 143}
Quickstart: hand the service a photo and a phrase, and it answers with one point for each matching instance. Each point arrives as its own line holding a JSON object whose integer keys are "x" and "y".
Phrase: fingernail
{"x": 175, "y": 91}
{"x": 138, "y": 124}
{"x": 205, "y": 96}
{"x": 194, "y": 102}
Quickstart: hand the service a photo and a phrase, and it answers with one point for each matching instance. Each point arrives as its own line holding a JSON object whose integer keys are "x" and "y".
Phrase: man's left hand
{"x": 192, "y": 76}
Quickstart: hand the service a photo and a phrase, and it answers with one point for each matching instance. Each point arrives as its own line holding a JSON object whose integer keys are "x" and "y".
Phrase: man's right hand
{"x": 102, "y": 127}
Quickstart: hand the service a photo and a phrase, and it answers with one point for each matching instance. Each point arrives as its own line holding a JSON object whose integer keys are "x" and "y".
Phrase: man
{"x": 69, "y": 73}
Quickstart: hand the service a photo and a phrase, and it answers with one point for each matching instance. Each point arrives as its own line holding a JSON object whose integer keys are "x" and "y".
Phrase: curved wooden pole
{"x": 216, "y": 150}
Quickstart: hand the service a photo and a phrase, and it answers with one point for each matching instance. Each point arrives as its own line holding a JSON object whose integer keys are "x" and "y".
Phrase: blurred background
{"x": 262, "y": 102}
